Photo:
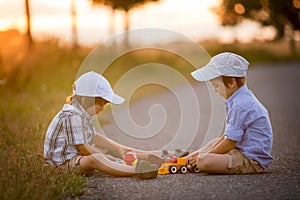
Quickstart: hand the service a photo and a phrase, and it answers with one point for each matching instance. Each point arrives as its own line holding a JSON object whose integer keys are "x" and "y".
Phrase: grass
{"x": 35, "y": 87}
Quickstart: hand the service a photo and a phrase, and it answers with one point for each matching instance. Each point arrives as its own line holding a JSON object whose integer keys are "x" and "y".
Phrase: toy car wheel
{"x": 173, "y": 169}
{"x": 183, "y": 169}
{"x": 196, "y": 170}
{"x": 190, "y": 168}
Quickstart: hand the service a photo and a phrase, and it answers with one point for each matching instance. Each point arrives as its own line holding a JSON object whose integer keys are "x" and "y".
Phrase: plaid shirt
{"x": 71, "y": 126}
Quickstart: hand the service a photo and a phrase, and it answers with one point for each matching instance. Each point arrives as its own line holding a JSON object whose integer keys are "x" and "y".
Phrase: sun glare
{"x": 4, "y": 25}
{"x": 239, "y": 8}
{"x": 296, "y": 3}
{"x": 193, "y": 18}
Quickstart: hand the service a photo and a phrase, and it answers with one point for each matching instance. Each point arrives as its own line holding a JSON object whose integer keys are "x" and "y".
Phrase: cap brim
{"x": 116, "y": 99}
{"x": 203, "y": 74}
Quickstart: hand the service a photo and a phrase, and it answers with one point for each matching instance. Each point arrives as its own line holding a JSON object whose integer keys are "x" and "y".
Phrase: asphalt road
{"x": 278, "y": 87}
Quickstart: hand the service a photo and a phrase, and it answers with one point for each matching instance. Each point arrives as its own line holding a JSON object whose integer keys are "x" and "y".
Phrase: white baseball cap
{"x": 223, "y": 64}
{"x": 92, "y": 84}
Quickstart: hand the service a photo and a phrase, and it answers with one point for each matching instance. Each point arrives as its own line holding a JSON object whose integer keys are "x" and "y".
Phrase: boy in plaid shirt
{"x": 71, "y": 143}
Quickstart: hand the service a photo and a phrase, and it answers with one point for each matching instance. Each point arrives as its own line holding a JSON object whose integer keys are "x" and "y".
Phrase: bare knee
{"x": 90, "y": 162}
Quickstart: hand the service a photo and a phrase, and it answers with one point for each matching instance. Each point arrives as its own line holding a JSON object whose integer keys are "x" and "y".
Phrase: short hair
{"x": 87, "y": 102}
{"x": 228, "y": 79}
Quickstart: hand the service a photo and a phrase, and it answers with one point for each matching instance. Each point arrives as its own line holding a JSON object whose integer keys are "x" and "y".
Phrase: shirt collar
{"x": 241, "y": 90}
{"x": 82, "y": 110}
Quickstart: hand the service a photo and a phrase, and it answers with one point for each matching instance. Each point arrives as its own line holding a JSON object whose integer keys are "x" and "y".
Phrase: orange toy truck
{"x": 174, "y": 166}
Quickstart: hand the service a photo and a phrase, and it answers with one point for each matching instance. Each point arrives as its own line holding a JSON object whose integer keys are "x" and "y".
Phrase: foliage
{"x": 125, "y": 5}
{"x": 121, "y": 4}
{"x": 256, "y": 52}
{"x": 276, "y": 13}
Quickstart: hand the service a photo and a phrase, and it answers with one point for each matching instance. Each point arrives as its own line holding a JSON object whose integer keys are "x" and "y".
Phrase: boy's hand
{"x": 192, "y": 158}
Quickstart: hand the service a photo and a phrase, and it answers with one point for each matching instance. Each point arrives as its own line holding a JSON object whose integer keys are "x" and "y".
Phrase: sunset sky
{"x": 192, "y": 18}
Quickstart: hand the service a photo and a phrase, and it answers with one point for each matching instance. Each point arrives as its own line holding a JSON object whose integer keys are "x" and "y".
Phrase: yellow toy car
{"x": 175, "y": 165}
{"x": 179, "y": 165}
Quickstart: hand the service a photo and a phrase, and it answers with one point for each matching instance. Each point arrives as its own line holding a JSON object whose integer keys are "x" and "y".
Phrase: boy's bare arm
{"x": 223, "y": 146}
{"x": 207, "y": 148}
{"x": 110, "y": 146}
{"x": 101, "y": 141}
{"x": 86, "y": 149}
{"x": 219, "y": 141}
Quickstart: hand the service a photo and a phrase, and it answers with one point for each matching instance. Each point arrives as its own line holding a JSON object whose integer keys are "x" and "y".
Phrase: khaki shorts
{"x": 240, "y": 164}
{"x": 73, "y": 166}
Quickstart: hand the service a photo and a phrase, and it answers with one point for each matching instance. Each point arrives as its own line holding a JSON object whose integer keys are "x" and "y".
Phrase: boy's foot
{"x": 180, "y": 153}
{"x": 165, "y": 154}
{"x": 155, "y": 159}
{"x": 152, "y": 158}
{"x": 146, "y": 170}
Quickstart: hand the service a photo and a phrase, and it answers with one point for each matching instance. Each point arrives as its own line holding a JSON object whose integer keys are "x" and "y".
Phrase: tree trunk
{"x": 29, "y": 37}
{"x": 126, "y": 22}
{"x": 112, "y": 25}
{"x": 74, "y": 24}
{"x": 126, "y": 27}
{"x": 292, "y": 42}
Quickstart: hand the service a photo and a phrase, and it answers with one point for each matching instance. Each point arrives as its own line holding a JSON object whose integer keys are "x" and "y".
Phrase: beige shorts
{"x": 73, "y": 166}
{"x": 240, "y": 164}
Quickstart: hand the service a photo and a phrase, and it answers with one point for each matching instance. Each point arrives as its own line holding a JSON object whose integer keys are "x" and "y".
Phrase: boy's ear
{"x": 233, "y": 83}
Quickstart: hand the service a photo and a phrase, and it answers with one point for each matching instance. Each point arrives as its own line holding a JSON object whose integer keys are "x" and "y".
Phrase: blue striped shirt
{"x": 248, "y": 123}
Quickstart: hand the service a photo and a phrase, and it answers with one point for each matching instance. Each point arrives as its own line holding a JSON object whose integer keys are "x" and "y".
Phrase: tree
{"x": 276, "y": 13}
{"x": 28, "y": 19}
{"x": 74, "y": 24}
{"x": 125, "y": 5}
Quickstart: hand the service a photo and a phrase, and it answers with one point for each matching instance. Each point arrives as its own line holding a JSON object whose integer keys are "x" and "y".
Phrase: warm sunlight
{"x": 208, "y": 92}
{"x": 53, "y": 19}
{"x": 4, "y": 25}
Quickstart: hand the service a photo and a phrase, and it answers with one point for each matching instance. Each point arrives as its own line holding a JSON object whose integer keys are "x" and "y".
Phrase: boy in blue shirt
{"x": 246, "y": 144}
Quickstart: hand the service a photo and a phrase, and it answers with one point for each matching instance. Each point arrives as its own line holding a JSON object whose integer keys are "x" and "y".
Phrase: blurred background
{"x": 87, "y": 22}
{"x": 94, "y": 21}
{"x": 271, "y": 27}
{"x": 44, "y": 42}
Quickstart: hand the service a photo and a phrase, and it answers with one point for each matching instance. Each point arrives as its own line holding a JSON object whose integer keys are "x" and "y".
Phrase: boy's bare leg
{"x": 102, "y": 163}
{"x": 212, "y": 163}
{"x": 117, "y": 150}
{"x": 143, "y": 169}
